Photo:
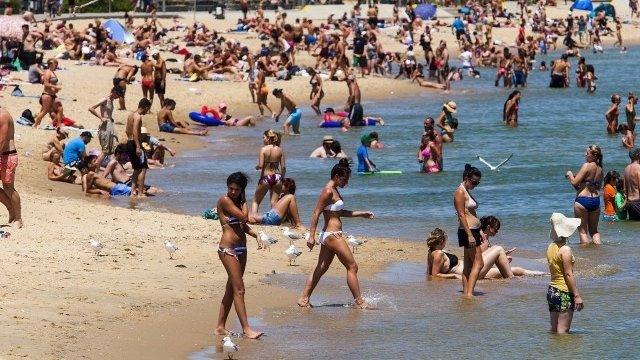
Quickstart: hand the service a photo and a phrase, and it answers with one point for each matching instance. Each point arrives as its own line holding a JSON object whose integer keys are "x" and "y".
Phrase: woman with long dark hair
{"x": 469, "y": 236}
{"x": 510, "y": 108}
{"x": 232, "y": 251}
{"x": 331, "y": 206}
{"x": 587, "y": 183}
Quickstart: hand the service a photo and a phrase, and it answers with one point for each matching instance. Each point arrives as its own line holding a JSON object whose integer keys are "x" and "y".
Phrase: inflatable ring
{"x": 204, "y": 119}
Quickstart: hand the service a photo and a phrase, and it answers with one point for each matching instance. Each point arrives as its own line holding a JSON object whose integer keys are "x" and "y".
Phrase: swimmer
{"x": 587, "y": 183}
{"x": 292, "y": 125}
{"x": 612, "y": 114}
{"x": 323, "y": 151}
{"x": 628, "y": 139}
{"x": 510, "y": 109}
{"x": 364, "y": 163}
{"x": 331, "y": 206}
{"x": 232, "y": 251}
{"x": 428, "y": 153}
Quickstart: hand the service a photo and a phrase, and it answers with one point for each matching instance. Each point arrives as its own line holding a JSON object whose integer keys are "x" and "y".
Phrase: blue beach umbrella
{"x": 608, "y": 9}
{"x": 582, "y": 5}
{"x": 425, "y": 11}
{"x": 117, "y": 32}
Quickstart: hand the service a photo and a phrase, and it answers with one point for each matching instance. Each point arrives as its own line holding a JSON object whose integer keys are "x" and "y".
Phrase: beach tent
{"x": 11, "y": 27}
{"x": 608, "y": 9}
{"x": 582, "y": 5}
{"x": 425, "y": 11}
{"x": 117, "y": 32}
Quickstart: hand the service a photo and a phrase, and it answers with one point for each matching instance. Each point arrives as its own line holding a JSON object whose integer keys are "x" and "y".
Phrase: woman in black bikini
{"x": 317, "y": 93}
{"x": 49, "y": 94}
{"x": 232, "y": 250}
{"x": 272, "y": 168}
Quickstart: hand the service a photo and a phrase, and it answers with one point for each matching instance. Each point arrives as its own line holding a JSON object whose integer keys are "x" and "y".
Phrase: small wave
{"x": 598, "y": 271}
{"x": 379, "y": 301}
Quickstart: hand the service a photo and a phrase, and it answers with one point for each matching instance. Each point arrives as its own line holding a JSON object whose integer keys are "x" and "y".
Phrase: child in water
{"x": 627, "y": 136}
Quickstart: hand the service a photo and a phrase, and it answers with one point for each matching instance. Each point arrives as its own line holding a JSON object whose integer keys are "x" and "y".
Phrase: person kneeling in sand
{"x": 285, "y": 209}
{"x": 55, "y": 145}
{"x": 56, "y": 172}
{"x": 154, "y": 149}
{"x": 166, "y": 122}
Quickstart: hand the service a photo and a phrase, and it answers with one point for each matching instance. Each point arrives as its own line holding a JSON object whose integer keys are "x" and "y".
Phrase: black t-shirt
{"x": 358, "y": 45}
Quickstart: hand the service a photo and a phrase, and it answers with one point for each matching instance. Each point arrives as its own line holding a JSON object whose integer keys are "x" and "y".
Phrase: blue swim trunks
{"x": 271, "y": 218}
{"x": 120, "y": 189}
{"x": 166, "y": 127}
{"x": 294, "y": 120}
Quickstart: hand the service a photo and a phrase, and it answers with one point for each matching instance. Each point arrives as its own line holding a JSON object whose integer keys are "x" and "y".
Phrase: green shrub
{"x": 101, "y": 6}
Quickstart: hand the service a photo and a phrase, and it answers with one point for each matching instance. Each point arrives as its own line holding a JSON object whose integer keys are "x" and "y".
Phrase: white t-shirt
{"x": 466, "y": 58}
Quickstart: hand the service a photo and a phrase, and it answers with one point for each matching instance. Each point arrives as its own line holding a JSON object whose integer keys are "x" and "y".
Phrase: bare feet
{"x": 251, "y": 334}
{"x": 16, "y": 224}
{"x": 221, "y": 331}
{"x": 304, "y": 302}
{"x": 360, "y": 304}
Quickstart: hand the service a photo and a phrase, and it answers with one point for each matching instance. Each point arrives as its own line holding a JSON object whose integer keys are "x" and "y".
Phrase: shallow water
{"x": 416, "y": 319}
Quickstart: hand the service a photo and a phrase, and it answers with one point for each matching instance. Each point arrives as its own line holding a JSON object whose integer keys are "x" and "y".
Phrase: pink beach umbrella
{"x": 11, "y": 27}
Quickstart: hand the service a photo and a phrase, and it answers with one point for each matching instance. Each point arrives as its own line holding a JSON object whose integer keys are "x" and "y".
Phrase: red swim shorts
{"x": 8, "y": 165}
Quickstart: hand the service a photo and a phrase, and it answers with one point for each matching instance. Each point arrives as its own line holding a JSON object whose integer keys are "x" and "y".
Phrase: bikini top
{"x": 453, "y": 261}
{"x": 469, "y": 203}
{"x": 53, "y": 79}
{"x": 426, "y": 153}
{"x": 336, "y": 206}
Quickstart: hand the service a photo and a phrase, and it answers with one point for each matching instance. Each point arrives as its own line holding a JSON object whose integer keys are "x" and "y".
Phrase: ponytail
{"x": 341, "y": 169}
{"x": 470, "y": 171}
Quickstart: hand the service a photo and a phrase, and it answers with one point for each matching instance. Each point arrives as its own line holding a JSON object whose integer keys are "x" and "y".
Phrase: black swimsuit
{"x": 453, "y": 261}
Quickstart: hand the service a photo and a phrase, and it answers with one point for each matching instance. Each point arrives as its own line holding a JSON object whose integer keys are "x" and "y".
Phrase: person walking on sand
{"x": 469, "y": 236}
{"x": 159, "y": 75}
{"x": 632, "y": 185}
{"x": 563, "y": 296}
{"x": 587, "y": 183}
{"x": 232, "y": 251}
{"x": 331, "y": 206}
{"x": 292, "y": 125}
{"x": 8, "y": 164}
{"x": 49, "y": 93}
{"x": 263, "y": 90}
{"x": 612, "y": 114}
{"x": 134, "y": 147}
{"x": 317, "y": 93}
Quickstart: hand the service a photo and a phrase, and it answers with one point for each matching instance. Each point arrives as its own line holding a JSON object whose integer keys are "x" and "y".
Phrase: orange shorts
{"x": 264, "y": 91}
{"x": 8, "y": 165}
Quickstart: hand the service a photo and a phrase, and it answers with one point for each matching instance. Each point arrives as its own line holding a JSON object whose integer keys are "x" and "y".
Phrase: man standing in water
{"x": 134, "y": 147}
{"x": 8, "y": 164}
{"x": 292, "y": 125}
{"x": 353, "y": 102}
{"x": 632, "y": 185}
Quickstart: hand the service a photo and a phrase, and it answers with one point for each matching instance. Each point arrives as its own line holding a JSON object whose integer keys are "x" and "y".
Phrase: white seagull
{"x": 171, "y": 248}
{"x": 229, "y": 347}
{"x": 96, "y": 245}
{"x": 290, "y": 234}
{"x": 351, "y": 240}
{"x": 266, "y": 240}
{"x": 292, "y": 253}
{"x": 497, "y": 167}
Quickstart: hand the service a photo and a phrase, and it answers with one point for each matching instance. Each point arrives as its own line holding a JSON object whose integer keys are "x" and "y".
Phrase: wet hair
{"x": 611, "y": 175}
{"x": 597, "y": 152}
{"x": 470, "y": 171}
{"x": 436, "y": 237}
{"x": 240, "y": 179}
{"x": 490, "y": 220}
{"x": 373, "y": 135}
{"x": 144, "y": 103}
{"x": 169, "y": 102}
{"x": 615, "y": 97}
{"x": 272, "y": 136}
{"x": 504, "y": 106}
{"x": 341, "y": 169}
{"x": 290, "y": 185}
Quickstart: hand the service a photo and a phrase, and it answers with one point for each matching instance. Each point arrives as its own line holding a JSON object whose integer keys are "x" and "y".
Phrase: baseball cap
{"x": 87, "y": 134}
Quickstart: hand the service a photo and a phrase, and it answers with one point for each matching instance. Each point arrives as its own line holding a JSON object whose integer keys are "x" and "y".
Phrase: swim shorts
{"x": 166, "y": 127}
{"x": 159, "y": 86}
{"x": 633, "y": 209}
{"x": 271, "y": 218}
{"x": 120, "y": 189}
{"x": 559, "y": 301}
{"x": 8, "y": 165}
{"x": 463, "y": 239}
{"x": 294, "y": 120}
{"x": 355, "y": 115}
{"x": 138, "y": 162}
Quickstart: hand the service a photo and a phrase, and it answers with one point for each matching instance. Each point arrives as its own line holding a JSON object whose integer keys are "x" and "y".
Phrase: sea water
{"x": 420, "y": 319}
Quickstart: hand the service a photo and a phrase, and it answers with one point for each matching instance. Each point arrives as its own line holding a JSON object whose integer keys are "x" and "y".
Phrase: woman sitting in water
{"x": 587, "y": 204}
{"x": 510, "y": 108}
{"x": 429, "y": 153}
{"x": 232, "y": 251}
{"x": 286, "y": 209}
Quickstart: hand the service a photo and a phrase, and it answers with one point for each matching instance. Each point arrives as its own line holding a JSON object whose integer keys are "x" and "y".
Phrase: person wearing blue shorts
{"x": 285, "y": 208}
{"x": 93, "y": 183}
{"x": 292, "y": 125}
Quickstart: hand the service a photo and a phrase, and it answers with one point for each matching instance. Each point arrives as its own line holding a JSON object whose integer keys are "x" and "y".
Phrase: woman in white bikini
{"x": 272, "y": 170}
{"x": 331, "y": 205}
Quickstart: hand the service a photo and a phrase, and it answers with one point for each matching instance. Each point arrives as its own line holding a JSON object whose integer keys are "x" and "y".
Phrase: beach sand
{"x": 60, "y": 300}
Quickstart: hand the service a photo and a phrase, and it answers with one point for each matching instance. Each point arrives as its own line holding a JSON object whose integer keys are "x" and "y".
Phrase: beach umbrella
{"x": 608, "y": 9}
{"x": 425, "y": 11}
{"x": 118, "y": 32}
{"x": 11, "y": 27}
{"x": 582, "y": 5}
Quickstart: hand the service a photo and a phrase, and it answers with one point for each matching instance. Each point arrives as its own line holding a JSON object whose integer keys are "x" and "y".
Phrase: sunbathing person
{"x": 445, "y": 265}
{"x": 229, "y": 120}
{"x": 166, "y": 122}
{"x": 285, "y": 209}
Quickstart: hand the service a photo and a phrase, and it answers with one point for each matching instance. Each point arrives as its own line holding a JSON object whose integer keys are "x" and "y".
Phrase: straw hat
{"x": 451, "y": 106}
{"x": 327, "y": 138}
{"x": 562, "y": 226}
{"x": 143, "y": 130}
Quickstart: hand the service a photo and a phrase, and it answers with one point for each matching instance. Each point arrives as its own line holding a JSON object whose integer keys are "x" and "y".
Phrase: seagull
{"x": 290, "y": 234}
{"x": 266, "y": 240}
{"x": 351, "y": 240}
{"x": 171, "y": 248}
{"x": 229, "y": 347}
{"x": 497, "y": 167}
{"x": 96, "y": 245}
{"x": 292, "y": 253}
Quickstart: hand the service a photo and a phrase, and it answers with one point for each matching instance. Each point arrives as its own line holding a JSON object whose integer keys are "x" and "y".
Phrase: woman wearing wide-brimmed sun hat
{"x": 447, "y": 122}
{"x": 562, "y": 295}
